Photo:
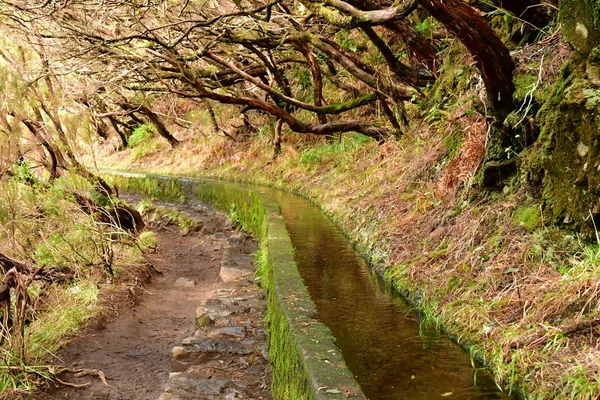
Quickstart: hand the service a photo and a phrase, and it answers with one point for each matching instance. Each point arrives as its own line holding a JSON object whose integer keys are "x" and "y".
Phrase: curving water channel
{"x": 383, "y": 342}
{"x": 377, "y": 331}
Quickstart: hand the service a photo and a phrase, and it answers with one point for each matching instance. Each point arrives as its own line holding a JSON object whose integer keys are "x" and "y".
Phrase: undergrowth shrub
{"x": 140, "y": 134}
{"x": 44, "y": 229}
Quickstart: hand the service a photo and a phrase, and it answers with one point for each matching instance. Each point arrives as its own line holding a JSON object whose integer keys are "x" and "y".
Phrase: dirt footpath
{"x": 132, "y": 343}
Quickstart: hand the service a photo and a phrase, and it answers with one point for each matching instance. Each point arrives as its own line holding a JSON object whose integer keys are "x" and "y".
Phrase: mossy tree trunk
{"x": 491, "y": 55}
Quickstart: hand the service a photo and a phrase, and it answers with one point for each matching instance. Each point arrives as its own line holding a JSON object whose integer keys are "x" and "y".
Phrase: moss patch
{"x": 528, "y": 217}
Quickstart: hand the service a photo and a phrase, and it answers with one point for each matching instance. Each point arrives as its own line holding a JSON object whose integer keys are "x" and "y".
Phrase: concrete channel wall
{"x": 305, "y": 361}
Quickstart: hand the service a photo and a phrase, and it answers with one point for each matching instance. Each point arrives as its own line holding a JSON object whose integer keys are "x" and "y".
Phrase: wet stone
{"x": 208, "y": 345}
{"x": 226, "y": 332}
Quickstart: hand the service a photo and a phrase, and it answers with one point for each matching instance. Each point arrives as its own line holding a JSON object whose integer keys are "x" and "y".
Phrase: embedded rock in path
{"x": 190, "y": 386}
{"x": 197, "y": 344}
{"x": 185, "y": 283}
{"x": 235, "y": 265}
{"x": 227, "y": 356}
{"x": 230, "y": 274}
{"x": 227, "y": 332}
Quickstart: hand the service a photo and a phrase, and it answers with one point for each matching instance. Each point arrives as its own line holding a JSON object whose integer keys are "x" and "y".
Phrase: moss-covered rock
{"x": 570, "y": 144}
{"x": 592, "y": 66}
{"x": 581, "y": 23}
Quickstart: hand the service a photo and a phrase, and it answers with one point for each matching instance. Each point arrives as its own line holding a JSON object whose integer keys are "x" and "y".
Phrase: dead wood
{"x": 542, "y": 339}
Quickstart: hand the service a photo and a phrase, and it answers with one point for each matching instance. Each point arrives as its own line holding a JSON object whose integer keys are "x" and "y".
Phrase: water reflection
{"x": 377, "y": 333}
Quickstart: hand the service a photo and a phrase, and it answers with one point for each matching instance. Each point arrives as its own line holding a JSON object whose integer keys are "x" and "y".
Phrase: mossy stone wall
{"x": 581, "y": 23}
{"x": 568, "y": 150}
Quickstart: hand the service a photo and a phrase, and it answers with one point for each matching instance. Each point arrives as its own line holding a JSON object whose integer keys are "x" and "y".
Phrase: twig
{"x": 75, "y": 385}
{"x": 78, "y": 373}
{"x": 563, "y": 331}
{"x": 526, "y": 106}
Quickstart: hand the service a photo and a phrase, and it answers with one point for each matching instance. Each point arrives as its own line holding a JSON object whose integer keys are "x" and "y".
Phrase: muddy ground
{"x": 153, "y": 311}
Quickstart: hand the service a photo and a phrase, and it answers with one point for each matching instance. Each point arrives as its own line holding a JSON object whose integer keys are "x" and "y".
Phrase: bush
{"x": 141, "y": 134}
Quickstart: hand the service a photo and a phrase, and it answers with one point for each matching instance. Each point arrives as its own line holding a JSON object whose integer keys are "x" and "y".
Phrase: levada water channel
{"x": 385, "y": 345}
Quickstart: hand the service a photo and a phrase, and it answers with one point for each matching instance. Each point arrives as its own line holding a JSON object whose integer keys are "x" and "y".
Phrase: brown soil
{"x": 132, "y": 342}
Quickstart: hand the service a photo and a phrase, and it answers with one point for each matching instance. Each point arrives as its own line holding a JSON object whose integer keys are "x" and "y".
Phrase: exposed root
{"x": 77, "y": 373}
{"x": 75, "y": 385}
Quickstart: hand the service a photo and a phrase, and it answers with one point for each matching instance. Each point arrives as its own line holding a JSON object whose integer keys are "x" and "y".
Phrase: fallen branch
{"x": 54, "y": 274}
{"x": 562, "y": 331}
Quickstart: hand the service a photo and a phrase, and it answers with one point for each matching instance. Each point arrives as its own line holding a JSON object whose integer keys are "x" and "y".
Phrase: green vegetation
{"x": 528, "y": 217}
{"x": 466, "y": 258}
{"x": 74, "y": 250}
{"x": 140, "y": 135}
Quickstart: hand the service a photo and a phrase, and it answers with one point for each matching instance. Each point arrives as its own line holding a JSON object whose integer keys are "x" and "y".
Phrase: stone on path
{"x": 185, "y": 283}
{"x": 226, "y": 357}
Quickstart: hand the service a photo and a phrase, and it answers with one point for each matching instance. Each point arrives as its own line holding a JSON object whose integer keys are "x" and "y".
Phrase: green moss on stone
{"x": 529, "y": 218}
{"x": 524, "y": 83}
{"x": 570, "y": 143}
{"x": 581, "y": 23}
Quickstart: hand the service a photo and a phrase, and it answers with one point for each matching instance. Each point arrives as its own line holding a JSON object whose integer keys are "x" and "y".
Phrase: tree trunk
{"x": 390, "y": 114}
{"x": 154, "y": 119}
{"x": 115, "y": 124}
{"x": 420, "y": 49}
{"x": 160, "y": 127}
{"x": 212, "y": 115}
{"x": 400, "y": 70}
{"x": 317, "y": 80}
{"x": 277, "y": 138}
{"x": 491, "y": 55}
{"x": 102, "y": 186}
{"x": 33, "y": 128}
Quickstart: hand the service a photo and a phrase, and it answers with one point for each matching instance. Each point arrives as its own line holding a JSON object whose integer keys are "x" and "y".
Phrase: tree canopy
{"x": 308, "y": 64}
